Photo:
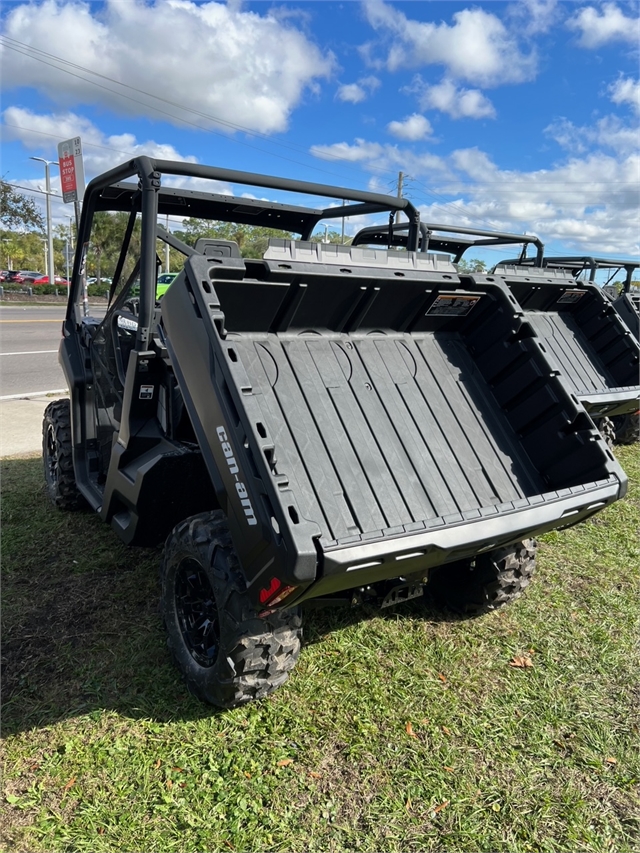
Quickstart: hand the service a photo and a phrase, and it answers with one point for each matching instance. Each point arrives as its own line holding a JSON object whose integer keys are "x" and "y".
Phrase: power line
{"x": 28, "y": 52}
{"x": 33, "y": 55}
{"x": 25, "y": 50}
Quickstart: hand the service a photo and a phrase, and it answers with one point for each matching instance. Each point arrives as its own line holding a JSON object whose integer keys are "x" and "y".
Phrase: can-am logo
{"x": 241, "y": 489}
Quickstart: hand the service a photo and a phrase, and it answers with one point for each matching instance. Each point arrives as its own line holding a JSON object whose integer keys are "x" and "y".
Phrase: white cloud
{"x": 626, "y": 91}
{"x": 456, "y": 102}
{"x": 354, "y": 93}
{"x": 597, "y": 27}
{"x": 361, "y": 151}
{"x": 476, "y": 47}
{"x": 376, "y": 157}
{"x": 226, "y": 64}
{"x": 586, "y": 202}
{"x": 413, "y": 128}
{"x": 607, "y": 132}
{"x": 42, "y": 133}
{"x": 535, "y": 16}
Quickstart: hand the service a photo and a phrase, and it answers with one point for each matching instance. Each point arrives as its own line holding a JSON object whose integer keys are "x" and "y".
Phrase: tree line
{"x": 23, "y": 242}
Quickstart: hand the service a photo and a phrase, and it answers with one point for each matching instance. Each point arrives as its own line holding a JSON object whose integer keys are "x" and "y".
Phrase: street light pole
{"x": 50, "y": 271}
{"x": 167, "y": 256}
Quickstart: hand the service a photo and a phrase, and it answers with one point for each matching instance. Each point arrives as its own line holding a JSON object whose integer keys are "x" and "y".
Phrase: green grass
{"x": 105, "y": 751}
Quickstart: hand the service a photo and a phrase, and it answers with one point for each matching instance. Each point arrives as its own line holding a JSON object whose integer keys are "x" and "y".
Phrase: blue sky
{"x": 519, "y": 116}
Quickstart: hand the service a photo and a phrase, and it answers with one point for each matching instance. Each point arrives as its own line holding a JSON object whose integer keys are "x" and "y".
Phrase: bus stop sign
{"x": 71, "y": 169}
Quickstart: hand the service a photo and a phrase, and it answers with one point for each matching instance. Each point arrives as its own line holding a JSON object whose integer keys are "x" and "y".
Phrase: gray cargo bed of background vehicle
{"x": 625, "y": 299}
{"x": 581, "y": 333}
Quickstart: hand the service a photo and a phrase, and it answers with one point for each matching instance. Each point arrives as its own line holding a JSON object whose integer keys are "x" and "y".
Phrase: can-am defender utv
{"x": 324, "y": 423}
{"x": 572, "y": 315}
{"x": 613, "y": 361}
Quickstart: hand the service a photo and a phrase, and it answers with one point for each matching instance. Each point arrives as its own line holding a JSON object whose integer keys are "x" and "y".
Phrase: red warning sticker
{"x": 452, "y": 305}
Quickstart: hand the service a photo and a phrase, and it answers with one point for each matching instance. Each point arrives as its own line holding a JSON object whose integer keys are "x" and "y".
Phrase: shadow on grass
{"x": 81, "y": 624}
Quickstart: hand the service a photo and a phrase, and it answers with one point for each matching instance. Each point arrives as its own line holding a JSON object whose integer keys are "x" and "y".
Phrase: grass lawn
{"x": 407, "y": 731}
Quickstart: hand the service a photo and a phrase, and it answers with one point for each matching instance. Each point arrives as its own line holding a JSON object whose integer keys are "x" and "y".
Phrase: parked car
{"x": 4, "y": 274}
{"x": 22, "y": 277}
{"x": 164, "y": 281}
{"x": 44, "y": 279}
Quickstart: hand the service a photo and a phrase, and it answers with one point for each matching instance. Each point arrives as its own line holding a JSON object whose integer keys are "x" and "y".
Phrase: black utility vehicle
{"x": 327, "y": 423}
{"x": 585, "y": 268}
{"x": 581, "y": 333}
{"x": 590, "y": 327}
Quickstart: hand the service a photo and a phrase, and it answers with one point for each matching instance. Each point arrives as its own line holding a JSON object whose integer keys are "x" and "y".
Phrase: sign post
{"x": 71, "y": 169}
{"x": 72, "y": 179}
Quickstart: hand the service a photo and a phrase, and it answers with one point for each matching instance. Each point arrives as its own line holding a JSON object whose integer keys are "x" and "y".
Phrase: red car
{"x": 44, "y": 279}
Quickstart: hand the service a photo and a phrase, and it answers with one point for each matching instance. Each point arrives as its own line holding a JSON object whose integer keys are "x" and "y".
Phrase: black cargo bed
{"x": 382, "y": 416}
{"x": 379, "y": 432}
{"x": 582, "y": 335}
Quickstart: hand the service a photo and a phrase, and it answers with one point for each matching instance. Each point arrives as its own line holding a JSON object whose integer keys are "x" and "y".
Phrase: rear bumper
{"x": 446, "y": 541}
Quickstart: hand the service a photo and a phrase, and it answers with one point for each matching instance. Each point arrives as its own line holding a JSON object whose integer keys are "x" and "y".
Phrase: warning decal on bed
{"x": 572, "y": 295}
{"x": 453, "y": 305}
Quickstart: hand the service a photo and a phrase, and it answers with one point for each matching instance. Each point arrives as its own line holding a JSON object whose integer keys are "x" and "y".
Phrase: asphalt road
{"x": 29, "y": 340}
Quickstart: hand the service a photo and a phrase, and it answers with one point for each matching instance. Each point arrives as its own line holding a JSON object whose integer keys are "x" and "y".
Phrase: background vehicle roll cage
{"x": 577, "y": 264}
{"x": 430, "y": 241}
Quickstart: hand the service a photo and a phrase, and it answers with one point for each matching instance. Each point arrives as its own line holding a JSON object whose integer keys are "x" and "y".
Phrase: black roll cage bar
{"x": 430, "y": 241}
{"x": 579, "y": 263}
{"x": 110, "y": 192}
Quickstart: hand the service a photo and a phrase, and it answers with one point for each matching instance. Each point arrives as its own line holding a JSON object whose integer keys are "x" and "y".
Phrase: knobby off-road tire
{"x": 627, "y": 428}
{"x": 478, "y": 586}
{"x": 607, "y": 430}
{"x": 225, "y": 652}
{"x": 57, "y": 456}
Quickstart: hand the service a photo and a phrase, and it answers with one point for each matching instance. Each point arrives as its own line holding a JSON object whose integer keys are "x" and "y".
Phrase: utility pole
{"x": 68, "y": 251}
{"x": 47, "y": 178}
{"x": 400, "y": 182}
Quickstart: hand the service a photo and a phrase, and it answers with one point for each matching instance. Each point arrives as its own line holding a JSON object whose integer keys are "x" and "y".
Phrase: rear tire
{"x": 607, "y": 431}
{"x": 627, "y": 428}
{"x": 57, "y": 455}
{"x": 225, "y": 652}
{"x": 491, "y": 580}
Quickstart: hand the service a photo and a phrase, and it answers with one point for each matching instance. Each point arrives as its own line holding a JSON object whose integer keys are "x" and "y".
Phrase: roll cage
{"x": 111, "y": 192}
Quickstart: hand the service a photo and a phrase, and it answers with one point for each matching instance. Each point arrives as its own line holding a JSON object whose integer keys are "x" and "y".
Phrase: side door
{"x": 111, "y": 345}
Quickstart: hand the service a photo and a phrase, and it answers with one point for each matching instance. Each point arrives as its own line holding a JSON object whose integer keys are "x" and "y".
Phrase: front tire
{"x": 491, "y": 580}
{"x": 57, "y": 455}
{"x": 225, "y": 652}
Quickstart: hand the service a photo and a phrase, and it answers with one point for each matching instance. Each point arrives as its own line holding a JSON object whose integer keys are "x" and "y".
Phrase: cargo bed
{"x": 385, "y": 417}
{"x": 582, "y": 334}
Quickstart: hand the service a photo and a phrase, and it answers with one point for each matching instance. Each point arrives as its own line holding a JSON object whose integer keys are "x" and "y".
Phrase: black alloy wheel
{"x": 197, "y": 613}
